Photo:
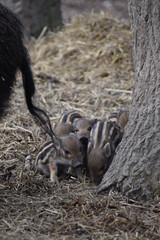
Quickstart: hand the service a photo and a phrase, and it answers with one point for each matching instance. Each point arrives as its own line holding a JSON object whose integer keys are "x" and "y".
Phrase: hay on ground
{"x": 86, "y": 66}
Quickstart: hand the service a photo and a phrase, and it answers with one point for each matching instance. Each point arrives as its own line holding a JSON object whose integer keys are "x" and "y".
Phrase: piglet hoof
{"x": 54, "y": 180}
{"x": 79, "y": 173}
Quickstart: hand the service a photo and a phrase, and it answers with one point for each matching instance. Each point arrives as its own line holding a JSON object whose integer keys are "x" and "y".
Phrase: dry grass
{"x": 86, "y": 66}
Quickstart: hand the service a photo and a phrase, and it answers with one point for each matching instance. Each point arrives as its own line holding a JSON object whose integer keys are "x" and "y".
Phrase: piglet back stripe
{"x": 44, "y": 150}
{"x": 103, "y": 134}
{"x": 73, "y": 116}
{"x": 98, "y": 133}
{"x": 63, "y": 118}
{"x": 69, "y": 117}
{"x": 95, "y": 134}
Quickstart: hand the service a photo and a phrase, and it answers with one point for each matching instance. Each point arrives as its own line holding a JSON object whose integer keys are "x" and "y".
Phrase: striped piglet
{"x": 81, "y": 126}
{"x": 105, "y": 137}
{"x": 53, "y": 163}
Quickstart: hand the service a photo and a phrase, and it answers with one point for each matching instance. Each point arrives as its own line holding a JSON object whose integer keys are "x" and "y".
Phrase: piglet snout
{"x": 84, "y": 140}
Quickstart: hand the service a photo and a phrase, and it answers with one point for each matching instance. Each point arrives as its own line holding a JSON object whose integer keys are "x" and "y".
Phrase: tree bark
{"x": 135, "y": 170}
{"x": 35, "y": 14}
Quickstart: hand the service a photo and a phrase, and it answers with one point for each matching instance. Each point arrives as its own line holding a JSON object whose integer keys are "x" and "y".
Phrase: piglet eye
{"x": 66, "y": 152}
{"x": 76, "y": 130}
{"x": 89, "y": 128}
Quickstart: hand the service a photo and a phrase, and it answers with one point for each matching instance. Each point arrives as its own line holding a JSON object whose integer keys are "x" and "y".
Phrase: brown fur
{"x": 70, "y": 116}
{"x": 64, "y": 129}
{"x": 101, "y": 149}
{"x": 83, "y": 128}
{"x": 104, "y": 139}
{"x": 121, "y": 117}
{"x": 52, "y": 163}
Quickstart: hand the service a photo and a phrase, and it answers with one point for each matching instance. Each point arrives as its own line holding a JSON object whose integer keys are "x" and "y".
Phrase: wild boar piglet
{"x": 70, "y": 116}
{"x": 101, "y": 149}
{"x": 63, "y": 129}
{"x": 82, "y": 128}
{"x": 121, "y": 117}
{"x": 53, "y": 163}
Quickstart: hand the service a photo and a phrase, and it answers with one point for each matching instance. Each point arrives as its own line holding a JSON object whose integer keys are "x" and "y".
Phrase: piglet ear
{"x": 107, "y": 150}
{"x": 93, "y": 121}
{"x": 72, "y": 134}
{"x": 75, "y": 121}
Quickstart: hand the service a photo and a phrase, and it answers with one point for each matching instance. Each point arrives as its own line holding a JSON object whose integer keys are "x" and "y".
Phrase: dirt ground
{"x": 86, "y": 66}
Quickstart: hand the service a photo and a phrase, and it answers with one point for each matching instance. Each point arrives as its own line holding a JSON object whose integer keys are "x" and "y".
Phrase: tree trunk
{"x": 135, "y": 170}
{"x": 35, "y": 14}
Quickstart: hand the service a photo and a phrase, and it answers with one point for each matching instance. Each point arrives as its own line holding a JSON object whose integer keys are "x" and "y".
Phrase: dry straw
{"x": 86, "y": 66}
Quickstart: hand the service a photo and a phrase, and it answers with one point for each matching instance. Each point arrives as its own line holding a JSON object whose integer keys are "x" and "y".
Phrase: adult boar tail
{"x": 40, "y": 117}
